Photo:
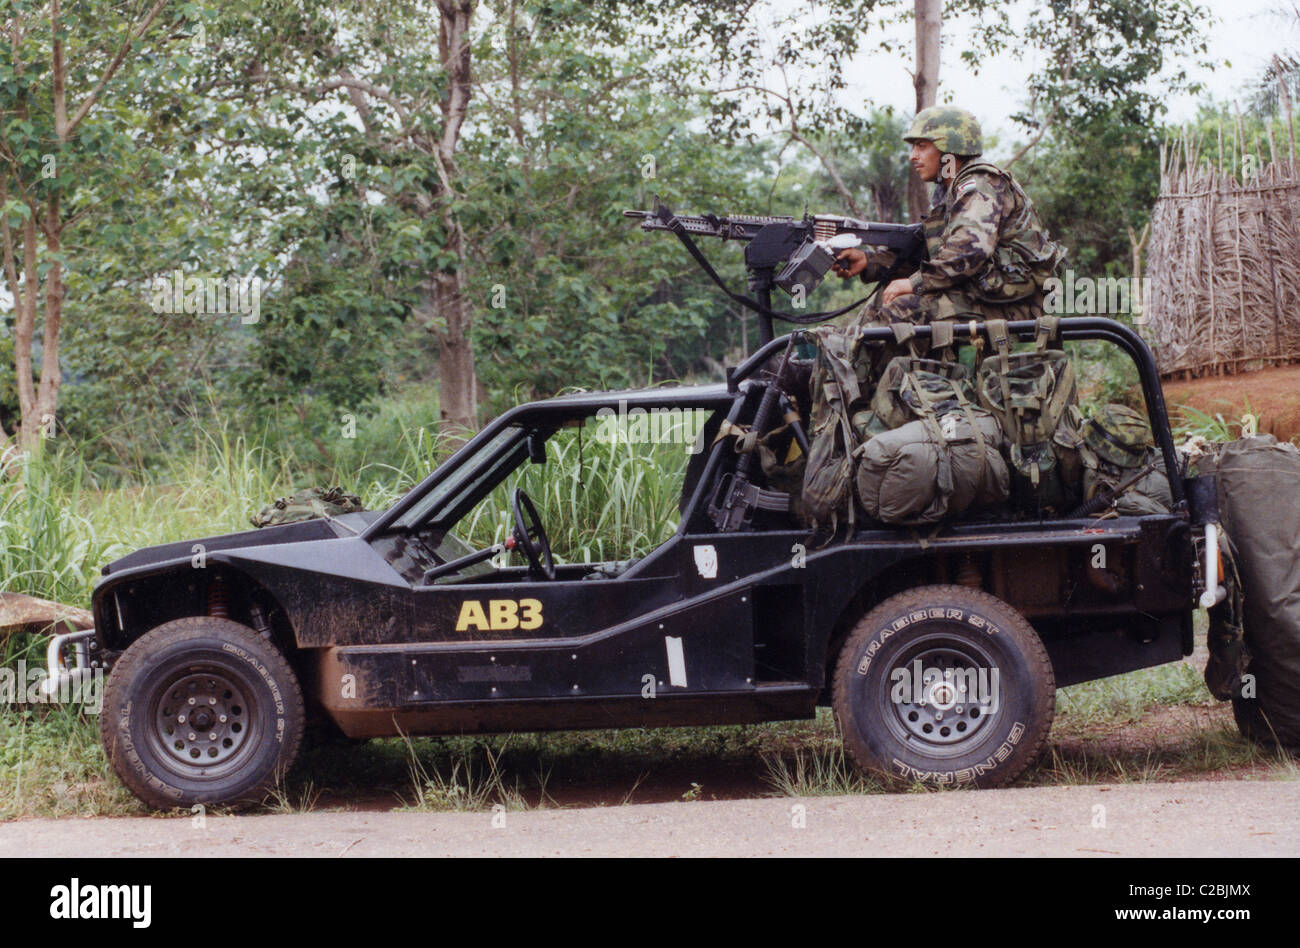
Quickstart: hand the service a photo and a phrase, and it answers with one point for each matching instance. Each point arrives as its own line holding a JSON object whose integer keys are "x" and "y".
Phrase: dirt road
{"x": 1222, "y": 818}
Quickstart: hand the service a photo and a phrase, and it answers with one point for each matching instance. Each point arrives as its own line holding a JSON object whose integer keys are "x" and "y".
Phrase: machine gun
{"x": 804, "y": 249}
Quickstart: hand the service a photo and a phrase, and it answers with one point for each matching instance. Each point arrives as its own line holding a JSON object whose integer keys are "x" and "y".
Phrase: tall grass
{"x": 46, "y": 543}
{"x": 599, "y": 501}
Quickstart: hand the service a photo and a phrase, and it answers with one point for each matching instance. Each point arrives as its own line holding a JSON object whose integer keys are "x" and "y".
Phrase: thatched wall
{"x": 1224, "y": 262}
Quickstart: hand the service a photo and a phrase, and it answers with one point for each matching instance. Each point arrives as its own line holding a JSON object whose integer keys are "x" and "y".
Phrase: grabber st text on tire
{"x": 944, "y": 685}
{"x": 201, "y": 710}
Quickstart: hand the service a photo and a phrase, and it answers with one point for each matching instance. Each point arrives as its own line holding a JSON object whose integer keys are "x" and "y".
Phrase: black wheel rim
{"x": 942, "y": 696}
{"x": 203, "y": 722}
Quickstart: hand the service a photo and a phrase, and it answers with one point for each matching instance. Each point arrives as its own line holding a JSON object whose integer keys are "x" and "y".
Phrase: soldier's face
{"x": 925, "y": 160}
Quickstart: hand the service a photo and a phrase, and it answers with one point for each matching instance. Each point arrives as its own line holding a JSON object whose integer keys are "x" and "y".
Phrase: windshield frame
{"x": 413, "y": 511}
{"x": 473, "y": 479}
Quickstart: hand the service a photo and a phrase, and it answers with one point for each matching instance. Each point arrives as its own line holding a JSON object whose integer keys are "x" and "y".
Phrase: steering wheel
{"x": 531, "y": 538}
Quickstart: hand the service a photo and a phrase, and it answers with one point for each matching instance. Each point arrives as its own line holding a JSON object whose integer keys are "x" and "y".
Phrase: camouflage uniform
{"x": 988, "y": 253}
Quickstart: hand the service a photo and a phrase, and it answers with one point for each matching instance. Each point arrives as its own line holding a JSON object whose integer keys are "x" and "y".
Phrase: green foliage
{"x": 239, "y": 148}
{"x": 1236, "y": 143}
{"x": 1091, "y": 183}
{"x": 47, "y": 548}
{"x": 1099, "y": 61}
{"x": 88, "y": 126}
{"x": 873, "y": 164}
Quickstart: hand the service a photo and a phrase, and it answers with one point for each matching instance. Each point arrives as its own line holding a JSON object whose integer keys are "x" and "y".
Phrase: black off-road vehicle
{"x": 940, "y": 652}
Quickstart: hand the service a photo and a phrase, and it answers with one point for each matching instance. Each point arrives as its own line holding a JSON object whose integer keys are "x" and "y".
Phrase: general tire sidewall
{"x": 868, "y": 667}
{"x": 164, "y": 782}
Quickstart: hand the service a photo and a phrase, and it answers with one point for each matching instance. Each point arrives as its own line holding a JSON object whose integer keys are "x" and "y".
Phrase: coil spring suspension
{"x": 218, "y": 608}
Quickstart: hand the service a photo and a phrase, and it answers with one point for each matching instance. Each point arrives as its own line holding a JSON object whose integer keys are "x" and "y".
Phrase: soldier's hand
{"x": 849, "y": 263}
{"x": 896, "y": 289}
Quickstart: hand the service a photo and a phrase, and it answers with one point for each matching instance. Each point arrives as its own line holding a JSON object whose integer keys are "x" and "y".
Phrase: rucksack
{"x": 912, "y": 388}
{"x": 307, "y": 504}
{"x": 929, "y": 470}
{"x": 835, "y": 394}
{"x": 938, "y": 453}
{"x": 1117, "y": 443}
{"x": 1033, "y": 395}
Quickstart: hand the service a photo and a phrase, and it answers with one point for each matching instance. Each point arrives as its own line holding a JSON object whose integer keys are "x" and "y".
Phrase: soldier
{"x": 988, "y": 254}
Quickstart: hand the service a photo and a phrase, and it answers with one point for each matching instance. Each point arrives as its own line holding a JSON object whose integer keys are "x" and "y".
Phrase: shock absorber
{"x": 218, "y": 608}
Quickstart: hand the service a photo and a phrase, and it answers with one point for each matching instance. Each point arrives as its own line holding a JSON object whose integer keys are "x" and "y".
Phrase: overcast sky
{"x": 1244, "y": 33}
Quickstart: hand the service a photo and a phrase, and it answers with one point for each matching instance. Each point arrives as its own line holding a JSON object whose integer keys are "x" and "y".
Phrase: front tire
{"x": 201, "y": 711}
{"x": 944, "y": 685}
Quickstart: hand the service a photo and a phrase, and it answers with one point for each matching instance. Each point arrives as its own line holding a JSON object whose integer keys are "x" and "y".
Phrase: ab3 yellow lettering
{"x": 500, "y": 615}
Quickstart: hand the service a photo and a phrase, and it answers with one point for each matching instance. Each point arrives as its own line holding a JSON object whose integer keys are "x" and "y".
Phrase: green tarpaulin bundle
{"x": 1259, "y": 506}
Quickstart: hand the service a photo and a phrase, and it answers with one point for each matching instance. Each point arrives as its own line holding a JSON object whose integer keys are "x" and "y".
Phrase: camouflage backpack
{"x": 912, "y": 388}
{"x": 1033, "y": 395}
{"x": 836, "y": 394}
{"x": 1117, "y": 443}
{"x": 307, "y": 504}
{"x": 928, "y": 454}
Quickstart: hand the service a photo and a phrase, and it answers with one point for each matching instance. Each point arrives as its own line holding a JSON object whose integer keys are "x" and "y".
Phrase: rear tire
{"x": 1255, "y": 727}
{"x": 201, "y": 711}
{"x": 944, "y": 685}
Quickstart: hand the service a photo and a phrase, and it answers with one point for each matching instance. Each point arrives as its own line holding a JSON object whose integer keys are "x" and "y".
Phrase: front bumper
{"x": 62, "y": 675}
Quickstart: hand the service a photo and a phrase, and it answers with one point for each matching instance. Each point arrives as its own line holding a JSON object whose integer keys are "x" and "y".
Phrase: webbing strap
{"x": 975, "y": 430}
{"x": 926, "y": 412}
{"x": 727, "y": 429}
{"x": 997, "y": 330}
{"x": 789, "y": 418}
{"x": 1046, "y": 329}
{"x": 902, "y": 332}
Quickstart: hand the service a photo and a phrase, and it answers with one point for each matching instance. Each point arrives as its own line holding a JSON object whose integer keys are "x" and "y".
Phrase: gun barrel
{"x": 730, "y": 227}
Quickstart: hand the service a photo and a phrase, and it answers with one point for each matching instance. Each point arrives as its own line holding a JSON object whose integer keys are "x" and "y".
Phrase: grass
{"x": 816, "y": 772}
{"x": 1127, "y": 696}
{"x": 467, "y": 781}
{"x": 610, "y": 501}
{"x": 295, "y": 797}
{"x": 51, "y": 764}
{"x": 1192, "y": 422}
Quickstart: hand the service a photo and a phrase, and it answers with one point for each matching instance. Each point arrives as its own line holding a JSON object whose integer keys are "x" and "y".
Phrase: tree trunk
{"x": 458, "y": 386}
{"x": 37, "y": 404}
{"x": 47, "y": 393}
{"x": 24, "y": 330}
{"x": 929, "y": 15}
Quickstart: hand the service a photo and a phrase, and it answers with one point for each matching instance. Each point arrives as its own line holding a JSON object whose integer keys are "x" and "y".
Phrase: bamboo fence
{"x": 1224, "y": 261}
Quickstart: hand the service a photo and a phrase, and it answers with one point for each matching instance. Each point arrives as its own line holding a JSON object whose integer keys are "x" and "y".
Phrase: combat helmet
{"x": 1118, "y": 434}
{"x": 953, "y": 131}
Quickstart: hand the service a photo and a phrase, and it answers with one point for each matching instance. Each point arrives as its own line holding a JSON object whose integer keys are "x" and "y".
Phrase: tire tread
{"x": 925, "y": 597}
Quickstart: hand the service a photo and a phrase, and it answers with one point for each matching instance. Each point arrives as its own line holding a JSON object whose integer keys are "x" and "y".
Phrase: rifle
{"x": 804, "y": 249}
{"x": 1108, "y": 496}
{"x": 737, "y": 496}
